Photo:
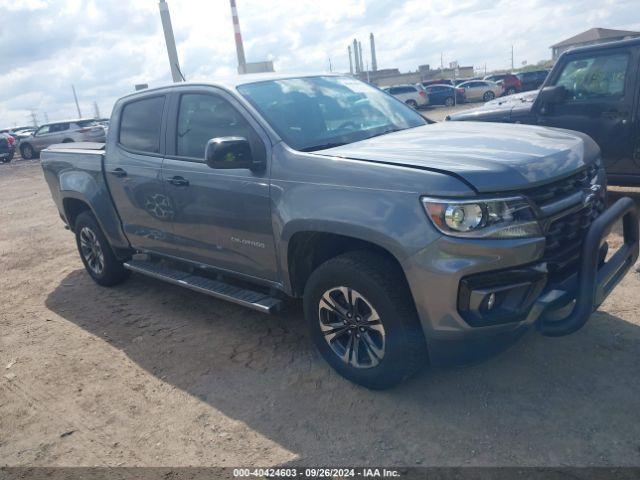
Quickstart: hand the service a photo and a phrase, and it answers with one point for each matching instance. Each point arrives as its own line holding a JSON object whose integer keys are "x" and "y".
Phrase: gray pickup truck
{"x": 408, "y": 242}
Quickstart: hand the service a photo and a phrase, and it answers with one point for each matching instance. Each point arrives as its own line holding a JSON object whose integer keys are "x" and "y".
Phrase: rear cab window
{"x": 140, "y": 124}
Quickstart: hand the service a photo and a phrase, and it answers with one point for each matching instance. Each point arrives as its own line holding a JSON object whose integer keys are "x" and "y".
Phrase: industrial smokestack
{"x": 374, "y": 62}
{"x": 176, "y": 74}
{"x": 356, "y": 62}
{"x": 350, "y": 62}
{"x": 360, "y": 55}
{"x": 242, "y": 62}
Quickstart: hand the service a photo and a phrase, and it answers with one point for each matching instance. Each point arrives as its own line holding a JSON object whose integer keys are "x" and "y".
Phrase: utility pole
{"x": 350, "y": 62}
{"x": 441, "y": 62}
{"x": 165, "y": 17}
{"x": 34, "y": 118}
{"x": 75, "y": 96}
{"x": 330, "y": 67}
{"x": 46, "y": 117}
{"x": 242, "y": 62}
{"x": 512, "y": 58}
{"x": 96, "y": 110}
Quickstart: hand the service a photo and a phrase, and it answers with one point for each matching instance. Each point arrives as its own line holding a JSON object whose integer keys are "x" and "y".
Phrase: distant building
{"x": 392, "y": 76}
{"x": 591, "y": 37}
{"x": 259, "y": 67}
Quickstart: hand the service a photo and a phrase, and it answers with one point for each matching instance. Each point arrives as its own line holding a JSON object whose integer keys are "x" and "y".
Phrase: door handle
{"x": 119, "y": 172}
{"x": 178, "y": 181}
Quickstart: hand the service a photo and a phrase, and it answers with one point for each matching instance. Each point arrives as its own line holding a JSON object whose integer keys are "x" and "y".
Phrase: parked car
{"x": 510, "y": 83}
{"x": 592, "y": 90}
{"x": 412, "y": 95}
{"x": 458, "y": 81}
{"x": 404, "y": 240}
{"x": 445, "y": 95}
{"x": 441, "y": 81}
{"x": 480, "y": 90}
{"x": 7, "y": 147}
{"x": 18, "y": 133}
{"x": 532, "y": 80}
{"x": 81, "y": 130}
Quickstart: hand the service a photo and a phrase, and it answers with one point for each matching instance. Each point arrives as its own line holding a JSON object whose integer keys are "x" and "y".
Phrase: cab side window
{"x": 202, "y": 117}
{"x": 140, "y": 124}
{"x": 598, "y": 77}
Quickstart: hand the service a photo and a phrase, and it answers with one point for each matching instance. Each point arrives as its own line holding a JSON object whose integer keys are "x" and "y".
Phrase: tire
{"x": 412, "y": 103}
{"x": 27, "y": 152}
{"x": 67, "y": 140}
{"x": 105, "y": 268}
{"x": 377, "y": 287}
{"x": 511, "y": 91}
{"x": 488, "y": 96}
{"x": 449, "y": 102}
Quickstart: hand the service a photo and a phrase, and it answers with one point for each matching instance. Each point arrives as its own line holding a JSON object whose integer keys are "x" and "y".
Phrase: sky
{"x": 105, "y": 47}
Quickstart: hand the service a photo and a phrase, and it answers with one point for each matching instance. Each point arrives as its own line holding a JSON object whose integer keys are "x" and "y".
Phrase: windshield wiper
{"x": 322, "y": 146}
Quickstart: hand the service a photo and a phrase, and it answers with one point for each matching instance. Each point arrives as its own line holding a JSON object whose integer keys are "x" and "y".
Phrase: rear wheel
{"x": 363, "y": 321}
{"x": 449, "y": 101}
{"x": 27, "y": 151}
{"x": 488, "y": 96}
{"x": 412, "y": 103}
{"x": 67, "y": 140}
{"x": 511, "y": 91}
{"x": 96, "y": 253}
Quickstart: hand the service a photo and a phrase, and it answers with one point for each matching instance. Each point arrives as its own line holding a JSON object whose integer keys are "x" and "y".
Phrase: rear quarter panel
{"x": 74, "y": 173}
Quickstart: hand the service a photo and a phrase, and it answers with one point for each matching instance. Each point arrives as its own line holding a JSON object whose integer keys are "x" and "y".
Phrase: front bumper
{"x": 437, "y": 274}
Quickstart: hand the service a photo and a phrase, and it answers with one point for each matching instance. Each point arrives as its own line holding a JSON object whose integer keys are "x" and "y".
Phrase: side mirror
{"x": 552, "y": 95}
{"x": 229, "y": 152}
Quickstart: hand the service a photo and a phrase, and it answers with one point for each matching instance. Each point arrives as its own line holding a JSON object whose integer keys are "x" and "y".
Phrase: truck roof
{"x": 601, "y": 46}
{"x": 233, "y": 81}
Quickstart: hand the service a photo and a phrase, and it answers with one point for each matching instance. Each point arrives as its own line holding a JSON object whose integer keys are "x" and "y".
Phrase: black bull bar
{"x": 595, "y": 280}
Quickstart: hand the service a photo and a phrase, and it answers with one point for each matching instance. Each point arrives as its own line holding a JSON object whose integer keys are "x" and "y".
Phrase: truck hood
{"x": 489, "y": 157}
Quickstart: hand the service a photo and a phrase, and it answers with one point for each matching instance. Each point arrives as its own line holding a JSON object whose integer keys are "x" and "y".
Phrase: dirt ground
{"x": 149, "y": 374}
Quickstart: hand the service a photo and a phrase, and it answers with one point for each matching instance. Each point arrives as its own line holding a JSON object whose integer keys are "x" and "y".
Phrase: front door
{"x": 222, "y": 217}
{"x": 133, "y": 168}
{"x": 600, "y": 93}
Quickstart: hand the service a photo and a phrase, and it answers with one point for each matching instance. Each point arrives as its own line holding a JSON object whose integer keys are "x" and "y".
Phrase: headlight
{"x": 491, "y": 218}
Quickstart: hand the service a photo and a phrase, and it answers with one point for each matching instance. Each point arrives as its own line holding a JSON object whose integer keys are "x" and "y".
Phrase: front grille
{"x": 565, "y": 233}
{"x": 564, "y": 238}
{"x": 552, "y": 192}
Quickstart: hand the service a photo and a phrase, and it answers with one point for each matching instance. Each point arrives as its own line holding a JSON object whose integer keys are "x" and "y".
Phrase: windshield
{"x": 313, "y": 113}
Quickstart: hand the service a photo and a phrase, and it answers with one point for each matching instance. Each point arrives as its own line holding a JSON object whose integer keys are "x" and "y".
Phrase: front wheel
{"x": 363, "y": 321}
{"x": 488, "y": 96}
{"x": 96, "y": 253}
{"x": 27, "y": 152}
{"x": 412, "y": 103}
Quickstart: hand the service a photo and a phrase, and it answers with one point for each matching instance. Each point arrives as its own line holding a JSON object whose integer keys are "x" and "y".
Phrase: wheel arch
{"x": 72, "y": 208}
{"x": 309, "y": 248}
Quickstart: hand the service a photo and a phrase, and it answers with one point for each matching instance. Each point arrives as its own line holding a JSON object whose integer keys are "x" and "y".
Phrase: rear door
{"x": 601, "y": 91}
{"x": 133, "y": 169}
{"x": 222, "y": 216}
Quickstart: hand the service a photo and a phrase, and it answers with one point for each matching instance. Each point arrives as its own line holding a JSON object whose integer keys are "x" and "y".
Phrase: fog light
{"x": 491, "y": 301}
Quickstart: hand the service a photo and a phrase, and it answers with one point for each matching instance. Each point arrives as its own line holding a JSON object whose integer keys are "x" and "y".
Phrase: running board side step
{"x": 215, "y": 288}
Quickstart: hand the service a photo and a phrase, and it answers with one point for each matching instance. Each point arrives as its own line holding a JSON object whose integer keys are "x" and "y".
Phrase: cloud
{"x": 105, "y": 47}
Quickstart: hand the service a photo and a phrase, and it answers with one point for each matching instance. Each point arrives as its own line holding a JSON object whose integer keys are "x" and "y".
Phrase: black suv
{"x": 594, "y": 90}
